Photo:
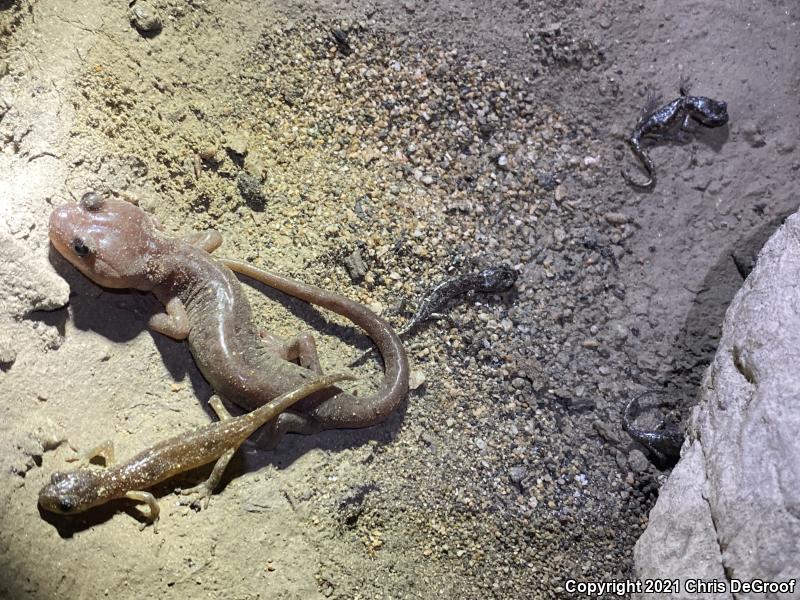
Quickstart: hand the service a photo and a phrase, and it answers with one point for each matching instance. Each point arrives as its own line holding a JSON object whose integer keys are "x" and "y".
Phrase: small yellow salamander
{"x": 77, "y": 491}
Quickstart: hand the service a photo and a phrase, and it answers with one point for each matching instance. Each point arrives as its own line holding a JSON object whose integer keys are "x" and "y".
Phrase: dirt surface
{"x": 432, "y": 139}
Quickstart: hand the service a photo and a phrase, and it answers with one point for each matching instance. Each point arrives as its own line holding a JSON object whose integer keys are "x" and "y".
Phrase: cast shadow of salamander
{"x": 120, "y": 316}
{"x": 696, "y": 342}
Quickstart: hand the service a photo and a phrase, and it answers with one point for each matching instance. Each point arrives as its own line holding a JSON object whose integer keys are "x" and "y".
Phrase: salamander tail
{"x": 650, "y": 183}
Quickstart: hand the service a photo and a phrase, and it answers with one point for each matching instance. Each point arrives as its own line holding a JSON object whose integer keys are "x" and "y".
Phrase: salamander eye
{"x": 92, "y": 201}
{"x": 80, "y": 248}
{"x": 66, "y": 504}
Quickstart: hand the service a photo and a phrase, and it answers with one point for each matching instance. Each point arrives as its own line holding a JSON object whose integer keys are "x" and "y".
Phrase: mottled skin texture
{"x": 80, "y": 490}
{"x": 655, "y": 123}
{"x": 117, "y": 245}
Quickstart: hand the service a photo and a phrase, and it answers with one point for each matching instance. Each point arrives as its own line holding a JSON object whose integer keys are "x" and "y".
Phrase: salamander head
{"x": 109, "y": 241}
{"x": 711, "y": 113}
{"x": 497, "y": 279}
{"x": 72, "y": 492}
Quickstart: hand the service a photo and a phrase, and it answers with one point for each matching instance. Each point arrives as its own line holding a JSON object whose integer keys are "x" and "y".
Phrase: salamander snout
{"x": 497, "y": 279}
{"x": 68, "y": 493}
{"x": 712, "y": 113}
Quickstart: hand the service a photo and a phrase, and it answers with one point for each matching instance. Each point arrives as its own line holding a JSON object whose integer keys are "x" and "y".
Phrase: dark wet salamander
{"x": 656, "y": 122}
{"x": 492, "y": 280}
{"x": 664, "y": 443}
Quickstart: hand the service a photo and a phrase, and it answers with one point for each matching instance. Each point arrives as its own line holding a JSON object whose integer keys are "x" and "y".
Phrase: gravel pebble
{"x": 355, "y": 266}
{"x": 145, "y": 18}
{"x": 8, "y": 353}
{"x": 249, "y": 188}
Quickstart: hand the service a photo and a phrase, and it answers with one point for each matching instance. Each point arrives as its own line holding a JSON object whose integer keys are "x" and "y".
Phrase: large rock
{"x": 28, "y": 281}
{"x": 731, "y": 509}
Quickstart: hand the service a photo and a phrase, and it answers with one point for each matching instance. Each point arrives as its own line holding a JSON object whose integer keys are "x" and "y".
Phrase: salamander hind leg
{"x": 652, "y": 100}
{"x": 174, "y": 322}
{"x": 686, "y": 133}
{"x": 205, "y": 490}
{"x": 301, "y": 348}
{"x": 222, "y": 413}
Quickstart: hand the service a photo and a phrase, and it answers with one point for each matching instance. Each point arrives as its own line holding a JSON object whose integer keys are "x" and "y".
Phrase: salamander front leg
{"x": 209, "y": 240}
{"x": 104, "y": 450}
{"x": 150, "y": 500}
{"x": 174, "y": 322}
{"x": 287, "y": 422}
{"x": 686, "y": 133}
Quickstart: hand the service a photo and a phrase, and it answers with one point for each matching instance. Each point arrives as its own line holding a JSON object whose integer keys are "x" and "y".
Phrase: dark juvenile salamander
{"x": 80, "y": 490}
{"x": 664, "y": 443}
{"x": 117, "y": 245}
{"x": 656, "y": 122}
{"x": 492, "y": 280}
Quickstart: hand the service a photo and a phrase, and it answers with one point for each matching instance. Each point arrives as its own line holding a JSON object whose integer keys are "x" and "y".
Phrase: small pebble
{"x": 754, "y": 135}
{"x": 615, "y": 218}
{"x": 250, "y": 189}
{"x": 416, "y": 379}
{"x": 145, "y": 18}
{"x": 207, "y": 153}
{"x": 49, "y": 435}
{"x": 238, "y": 144}
{"x": 517, "y": 474}
{"x": 8, "y": 353}
{"x": 546, "y": 181}
{"x": 354, "y": 264}
{"x": 638, "y": 461}
{"x": 589, "y": 161}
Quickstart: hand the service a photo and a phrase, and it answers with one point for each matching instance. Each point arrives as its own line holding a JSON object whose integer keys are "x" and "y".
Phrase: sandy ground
{"x": 452, "y": 138}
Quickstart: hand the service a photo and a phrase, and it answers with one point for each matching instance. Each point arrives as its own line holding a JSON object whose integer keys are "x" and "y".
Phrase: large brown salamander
{"x": 117, "y": 245}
